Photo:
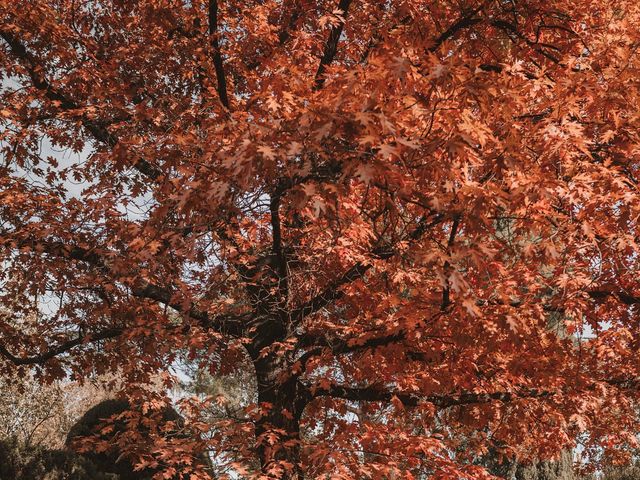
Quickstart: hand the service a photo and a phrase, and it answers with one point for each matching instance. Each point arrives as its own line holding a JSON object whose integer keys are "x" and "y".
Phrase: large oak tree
{"x": 415, "y": 220}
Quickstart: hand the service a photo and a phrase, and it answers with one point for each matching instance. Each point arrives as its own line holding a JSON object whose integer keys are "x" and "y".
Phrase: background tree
{"x": 36, "y": 414}
{"x": 320, "y": 187}
{"x": 621, "y": 473}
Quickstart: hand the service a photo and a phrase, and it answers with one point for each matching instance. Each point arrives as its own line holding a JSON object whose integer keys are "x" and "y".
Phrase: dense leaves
{"x": 414, "y": 222}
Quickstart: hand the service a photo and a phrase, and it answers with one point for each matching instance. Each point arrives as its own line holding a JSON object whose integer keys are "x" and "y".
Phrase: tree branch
{"x": 278, "y": 251}
{"x": 357, "y": 271}
{"x": 285, "y": 33}
{"x": 378, "y": 393}
{"x": 619, "y": 294}
{"x": 330, "y": 293}
{"x": 446, "y": 300}
{"x": 60, "y": 349}
{"x": 465, "y": 22}
{"x": 510, "y": 28}
{"x": 217, "y": 56}
{"x": 331, "y": 46}
{"x": 225, "y": 324}
{"x": 340, "y": 346}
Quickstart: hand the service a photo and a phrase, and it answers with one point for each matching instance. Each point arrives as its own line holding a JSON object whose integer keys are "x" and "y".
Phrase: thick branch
{"x": 217, "y": 56}
{"x": 278, "y": 251}
{"x": 465, "y": 22}
{"x": 378, "y": 393}
{"x": 229, "y": 325}
{"x": 285, "y": 33}
{"x": 320, "y": 343}
{"x": 331, "y": 46}
{"x": 224, "y": 324}
{"x": 511, "y": 29}
{"x": 341, "y": 346}
{"x": 330, "y": 293}
{"x": 619, "y": 294}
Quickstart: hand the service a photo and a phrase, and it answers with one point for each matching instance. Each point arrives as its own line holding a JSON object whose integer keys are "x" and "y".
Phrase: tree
{"x": 40, "y": 415}
{"x": 323, "y": 188}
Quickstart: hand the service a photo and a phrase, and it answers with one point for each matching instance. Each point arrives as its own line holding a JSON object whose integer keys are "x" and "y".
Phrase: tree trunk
{"x": 282, "y": 401}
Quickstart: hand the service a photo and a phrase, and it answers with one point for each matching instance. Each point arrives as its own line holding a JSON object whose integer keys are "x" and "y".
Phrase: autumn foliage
{"x": 414, "y": 222}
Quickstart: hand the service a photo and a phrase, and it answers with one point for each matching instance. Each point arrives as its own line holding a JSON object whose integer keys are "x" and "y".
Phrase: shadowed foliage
{"x": 33, "y": 463}
{"x": 112, "y": 459}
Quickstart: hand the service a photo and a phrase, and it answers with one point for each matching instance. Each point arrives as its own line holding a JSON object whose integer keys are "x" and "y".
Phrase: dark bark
{"x": 331, "y": 46}
{"x": 217, "y": 55}
{"x": 278, "y": 428}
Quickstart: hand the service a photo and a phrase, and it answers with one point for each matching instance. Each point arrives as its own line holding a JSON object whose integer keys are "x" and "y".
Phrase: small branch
{"x": 217, "y": 56}
{"x": 331, "y": 46}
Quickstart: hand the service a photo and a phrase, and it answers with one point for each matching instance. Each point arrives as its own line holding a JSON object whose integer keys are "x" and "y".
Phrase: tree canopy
{"x": 414, "y": 222}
